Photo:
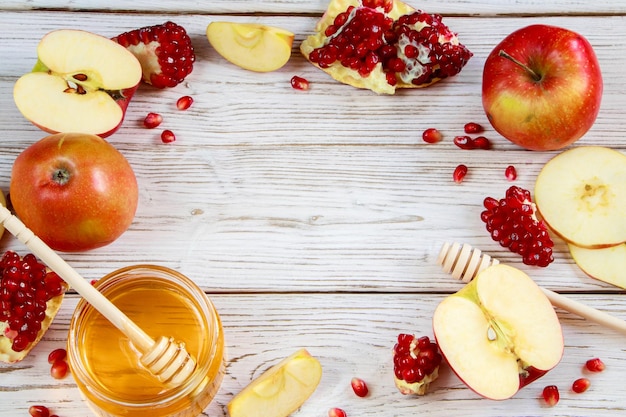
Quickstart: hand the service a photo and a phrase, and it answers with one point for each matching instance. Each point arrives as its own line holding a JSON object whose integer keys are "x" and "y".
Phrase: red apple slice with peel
{"x": 251, "y": 46}
{"x": 499, "y": 333}
{"x": 280, "y": 390}
{"x": 82, "y": 83}
{"x": 581, "y": 195}
{"x": 606, "y": 264}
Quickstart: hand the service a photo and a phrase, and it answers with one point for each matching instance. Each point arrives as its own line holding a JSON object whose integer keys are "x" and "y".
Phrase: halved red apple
{"x": 82, "y": 83}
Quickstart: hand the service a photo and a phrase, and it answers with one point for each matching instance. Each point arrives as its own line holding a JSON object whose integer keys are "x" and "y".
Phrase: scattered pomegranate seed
{"x": 359, "y": 386}
{"x": 551, "y": 395}
{"x": 464, "y": 142}
{"x": 481, "y": 142}
{"x": 59, "y": 369}
{"x": 510, "y": 173}
{"x": 336, "y": 412}
{"x": 459, "y": 173}
{"x": 299, "y": 83}
{"x": 581, "y": 385}
{"x": 472, "y": 127}
{"x": 431, "y": 135}
{"x": 184, "y": 102}
{"x": 595, "y": 365}
{"x": 152, "y": 120}
{"x": 167, "y": 136}
{"x": 415, "y": 363}
{"x": 57, "y": 355}
{"x": 39, "y": 411}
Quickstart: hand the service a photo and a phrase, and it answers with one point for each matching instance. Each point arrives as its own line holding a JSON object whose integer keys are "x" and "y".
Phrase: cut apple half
{"x": 499, "y": 333}
{"x": 280, "y": 390}
{"x": 581, "y": 195}
{"x": 606, "y": 264}
{"x": 82, "y": 83}
{"x": 251, "y": 46}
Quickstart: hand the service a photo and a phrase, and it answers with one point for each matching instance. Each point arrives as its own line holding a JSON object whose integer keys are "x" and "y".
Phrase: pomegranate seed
{"x": 184, "y": 102}
{"x": 481, "y": 142}
{"x": 299, "y": 83}
{"x": 39, "y": 411}
{"x": 167, "y": 136}
{"x": 459, "y": 173}
{"x": 551, "y": 395}
{"x": 152, "y": 120}
{"x": 581, "y": 385}
{"x": 359, "y": 386}
{"x": 431, "y": 135}
{"x": 464, "y": 142}
{"x": 336, "y": 412}
{"x": 595, "y": 365}
{"x": 57, "y": 355}
{"x": 59, "y": 369}
{"x": 472, "y": 127}
{"x": 510, "y": 173}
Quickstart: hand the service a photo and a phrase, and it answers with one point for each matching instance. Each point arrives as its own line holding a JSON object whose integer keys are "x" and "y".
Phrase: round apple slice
{"x": 606, "y": 264}
{"x": 280, "y": 390}
{"x": 581, "y": 195}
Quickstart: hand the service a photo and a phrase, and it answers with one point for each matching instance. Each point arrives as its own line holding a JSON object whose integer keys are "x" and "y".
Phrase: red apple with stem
{"x": 75, "y": 191}
{"x": 542, "y": 87}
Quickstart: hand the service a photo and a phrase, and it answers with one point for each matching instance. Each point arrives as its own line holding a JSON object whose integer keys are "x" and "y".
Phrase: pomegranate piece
{"x": 595, "y": 365}
{"x": 167, "y": 136}
{"x": 359, "y": 387}
{"x": 336, "y": 412}
{"x": 415, "y": 363}
{"x": 580, "y": 385}
{"x": 184, "y": 102}
{"x": 30, "y": 296}
{"x": 299, "y": 83}
{"x": 472, "y": 127}
{"x": 510, "y": 173}
{"x": 39, "y": 411}
{"x": 512, "y": 221}
{"x": 384, "y": 45}
{"x": 152, "y": 120}
{"x": 164, "y": 51}
{"x": 551, "y": 395}
{"x": 431, "y": 135}
{"x": 459, "y": 173}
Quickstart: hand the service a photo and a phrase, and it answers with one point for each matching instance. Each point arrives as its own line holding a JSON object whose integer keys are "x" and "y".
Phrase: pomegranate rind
{"x": 418, "y": 388}
{"x": 8, "y": 355}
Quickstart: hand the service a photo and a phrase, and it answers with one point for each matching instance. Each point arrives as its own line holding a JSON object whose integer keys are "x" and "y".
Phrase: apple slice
{"x": 251, "y": 46}
{"x": 606, "y": 264}
{"x": 280, "y": 390}
{"x": 499, "y": 333}
{"x": 82, "y": 83}
{"x": 581, "y": 195}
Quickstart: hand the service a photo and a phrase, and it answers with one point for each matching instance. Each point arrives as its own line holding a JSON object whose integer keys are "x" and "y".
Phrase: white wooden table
{"x": 313, "y": 219}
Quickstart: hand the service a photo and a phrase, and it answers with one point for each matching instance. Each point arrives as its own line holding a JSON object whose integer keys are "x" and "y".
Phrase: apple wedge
{"x": 82, "y": 83}
{"x": 499, "y": 333}
{"x": 581, "y": 195}
{"x": 251, "y": 46}
{"x": 280, "y": 390}
{"x": 606, "y": 264}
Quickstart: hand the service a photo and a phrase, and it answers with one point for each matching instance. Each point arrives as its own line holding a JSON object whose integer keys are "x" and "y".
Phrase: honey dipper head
{"x": 463, "y": 261}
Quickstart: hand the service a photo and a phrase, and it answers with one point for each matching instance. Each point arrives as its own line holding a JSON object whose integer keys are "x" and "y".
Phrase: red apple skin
{"x": 554, "y": 111}
{"x": 93, "y": 206}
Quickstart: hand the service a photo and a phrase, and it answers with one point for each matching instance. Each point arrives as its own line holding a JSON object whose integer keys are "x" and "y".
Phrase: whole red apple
{"x": 542, "y": 87}
{"x": 75, "y": 191}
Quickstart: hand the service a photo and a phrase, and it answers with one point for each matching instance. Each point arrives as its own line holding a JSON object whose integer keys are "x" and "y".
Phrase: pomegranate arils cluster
{"x": 415, "y": 363}
{"x": 25, "y": 288}
{"x": 512, "y": 222}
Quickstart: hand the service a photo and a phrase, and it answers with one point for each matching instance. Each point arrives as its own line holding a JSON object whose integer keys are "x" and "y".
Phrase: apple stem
{"x": 532, "y": 73}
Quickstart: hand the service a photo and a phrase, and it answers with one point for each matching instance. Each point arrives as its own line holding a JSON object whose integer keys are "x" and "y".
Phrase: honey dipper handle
{"x": 585, "y": 311}
{"x": 39, "y": 248}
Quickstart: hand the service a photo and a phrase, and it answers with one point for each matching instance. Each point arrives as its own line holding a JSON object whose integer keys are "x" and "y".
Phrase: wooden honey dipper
{"x": 464, "y": 262}
{"x": 165, "y": 358}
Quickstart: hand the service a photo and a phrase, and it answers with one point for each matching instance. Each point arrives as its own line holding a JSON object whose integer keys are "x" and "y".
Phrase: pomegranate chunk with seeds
{"x": 415, "y": 363}
{"x": 512, "y": 221}
{"x": 384, "y": 45}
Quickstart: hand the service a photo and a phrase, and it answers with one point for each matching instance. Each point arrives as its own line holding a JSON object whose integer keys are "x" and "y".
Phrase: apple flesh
{"x": 75, "y": 191}
{"x": 82, "y": 82}
{"x": 251, "y": 46}
{"x": 280, "y": 390}
{"x": 499, "y": 333}
{"x": 542, "y": 87}
{"x": 581, "y": 195}
{"x": 607, "y": 264}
